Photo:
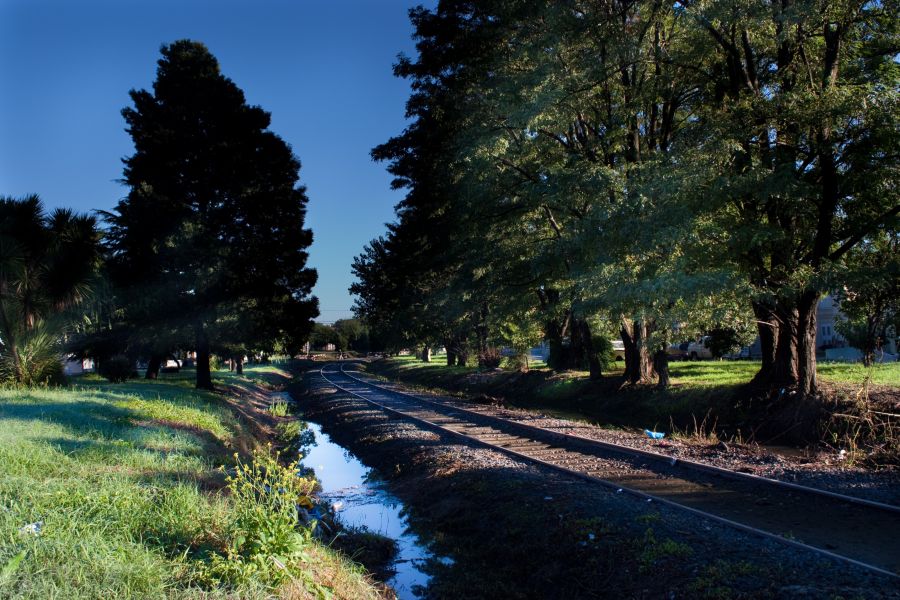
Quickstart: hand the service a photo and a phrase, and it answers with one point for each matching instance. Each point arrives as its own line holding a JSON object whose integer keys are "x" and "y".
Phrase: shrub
{"x": 723, "y": 340}
{"x": 36, "y": 360}
{"x": 519, "y": 362}
{"x": 490, "y": 358}
{"x": 604, "y": 349}
{"x": 117, "y": 368}
{"x": 264, "y": 534}
{"x": 279, "y": 408}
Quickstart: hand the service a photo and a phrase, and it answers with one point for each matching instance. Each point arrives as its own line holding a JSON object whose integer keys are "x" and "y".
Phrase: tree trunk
{"x": 638, "y": 363}
{"x": 153, "y": 366}
{"x": 449, "y": 344}
{"x": 661, "y": 366}
{"x": 238, "y": 363}
{"x": 784, "y": 372}
{"x": 583, "y": 348}
{"x": 462, "y": 358}
{"x": 806, "y": 343}
{"x": 426, "y": 354}
{"x": 204, "y": 377}
{"x": 767, "y": 327}
{"x": 482, "y": 329}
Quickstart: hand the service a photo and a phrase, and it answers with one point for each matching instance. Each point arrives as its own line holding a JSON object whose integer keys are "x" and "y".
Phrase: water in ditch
{"x": 360, "y": 499}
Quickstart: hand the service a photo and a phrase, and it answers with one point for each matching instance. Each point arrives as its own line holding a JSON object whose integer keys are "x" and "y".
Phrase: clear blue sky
{"x": 323, "y": 69}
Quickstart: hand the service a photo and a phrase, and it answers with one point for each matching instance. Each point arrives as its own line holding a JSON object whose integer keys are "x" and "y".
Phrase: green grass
{"x": 887, "y": 374}
{"x": 124, "y": 480}
{"x": 690, "y": 373}
{"x": 702, "y": 393}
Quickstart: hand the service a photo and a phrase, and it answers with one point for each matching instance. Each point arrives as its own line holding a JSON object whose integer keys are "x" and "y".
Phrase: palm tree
{"x": 47, "y": 263}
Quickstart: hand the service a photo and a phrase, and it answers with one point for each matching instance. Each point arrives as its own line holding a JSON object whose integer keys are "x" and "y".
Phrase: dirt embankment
{"x": 514, "y": 530}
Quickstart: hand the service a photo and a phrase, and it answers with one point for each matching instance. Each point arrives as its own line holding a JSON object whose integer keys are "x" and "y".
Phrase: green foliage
{"x": 279, "y": 408}
{"x": 870, "y": 298}
{"x": 119, "y": 476}
{"x": 47, "y": 265}
{"x": 34, "y": 356}
{"x": 213, "y": 222}
{"x": 117, "y": 369}
{"x": 353, "y": 333}
{"x": 287, "y": 432}
{"x": 603, "y": 348}
{"x": 600, "y": 179}
{"x": 264, "y": 533}
{"x": 722, "y": 341}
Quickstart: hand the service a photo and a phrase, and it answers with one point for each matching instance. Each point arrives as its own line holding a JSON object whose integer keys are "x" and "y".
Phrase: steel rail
{"x": 586, "y": 476}
{"x": 654, "y": 456}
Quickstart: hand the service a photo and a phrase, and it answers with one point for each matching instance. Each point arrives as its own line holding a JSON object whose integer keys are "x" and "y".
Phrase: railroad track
{"x": 853, "y": 530}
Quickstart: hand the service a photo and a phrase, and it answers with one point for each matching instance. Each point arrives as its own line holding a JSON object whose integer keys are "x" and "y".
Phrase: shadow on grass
{"x": 102, "y": 425}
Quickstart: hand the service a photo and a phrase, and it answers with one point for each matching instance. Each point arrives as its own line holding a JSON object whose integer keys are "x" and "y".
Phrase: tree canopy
{"x": 210, "y": 241}
{"x": 48, "y": 264}
{"x": 637, "y": 169}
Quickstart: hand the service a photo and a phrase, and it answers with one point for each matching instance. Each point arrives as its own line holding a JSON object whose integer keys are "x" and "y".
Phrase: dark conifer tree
{"x": 212, "y": 229}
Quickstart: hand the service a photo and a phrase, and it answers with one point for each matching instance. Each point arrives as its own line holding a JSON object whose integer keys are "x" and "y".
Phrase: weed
{"x": 654, "y": 551}
{"x": 279, "y": 408}
{"x": 287, "y": 432}
{"x": 264, "y": 535}
{"x": 719, "y": 580}
{"x": 703, "y": 432}
{"x": 863, "y": 434}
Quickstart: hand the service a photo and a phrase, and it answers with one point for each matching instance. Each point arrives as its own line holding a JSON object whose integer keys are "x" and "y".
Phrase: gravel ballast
{"x": 513, "y": 529}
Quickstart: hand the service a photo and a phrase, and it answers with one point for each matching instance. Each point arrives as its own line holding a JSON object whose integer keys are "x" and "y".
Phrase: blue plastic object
{"x": 654, "y": 435}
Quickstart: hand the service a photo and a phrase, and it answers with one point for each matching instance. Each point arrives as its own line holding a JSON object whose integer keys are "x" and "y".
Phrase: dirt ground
{"x": 513, "y": 530}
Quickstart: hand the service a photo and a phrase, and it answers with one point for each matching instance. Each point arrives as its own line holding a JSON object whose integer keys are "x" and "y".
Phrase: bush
{"x": 604, "y": 350}
{"x": 265, "y": 532}
{"x": 279, "y": 408}
{"x": 215, "y": 362}
{"x": 723, "y": 340}
{"x": 519, "y": 362}
{"x": 117, "y": 368}
{"x": 36, "y": 360}
{"x": 490, "y": 358}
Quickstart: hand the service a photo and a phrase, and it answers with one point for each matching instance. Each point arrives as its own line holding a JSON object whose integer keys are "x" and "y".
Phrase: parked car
{"x": 742, "y": 354}
{"x": 697, "y": 350}
{"x": 678, "y": 351}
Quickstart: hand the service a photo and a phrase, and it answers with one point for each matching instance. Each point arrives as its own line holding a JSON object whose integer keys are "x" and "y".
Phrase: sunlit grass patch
{"x": 712, "y": 372}
{"x": 840, "y": 372}
{"x": 114, "y": 491}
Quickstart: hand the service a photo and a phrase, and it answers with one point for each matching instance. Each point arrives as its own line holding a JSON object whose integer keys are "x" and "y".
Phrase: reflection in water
{"x": 360, "y": 499}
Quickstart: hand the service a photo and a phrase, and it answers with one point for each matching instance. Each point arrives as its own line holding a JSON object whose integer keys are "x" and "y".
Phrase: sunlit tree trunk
{"x": 638, "y": 363}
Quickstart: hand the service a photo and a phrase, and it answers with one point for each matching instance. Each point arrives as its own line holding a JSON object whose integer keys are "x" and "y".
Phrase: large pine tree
{"x": 212, "y": 229}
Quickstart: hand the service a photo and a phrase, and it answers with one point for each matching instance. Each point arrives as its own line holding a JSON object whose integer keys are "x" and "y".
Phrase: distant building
{"x": 828, "y": 314}
{"x": 77, "y": 366}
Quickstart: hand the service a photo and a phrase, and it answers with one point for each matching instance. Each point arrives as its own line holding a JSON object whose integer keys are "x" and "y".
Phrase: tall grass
{"x": 114, "y": 491}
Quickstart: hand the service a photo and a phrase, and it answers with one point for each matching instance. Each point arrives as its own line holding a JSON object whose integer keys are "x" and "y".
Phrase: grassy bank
{"x": 116, "y": 491}
{"x": 702, "y": 393}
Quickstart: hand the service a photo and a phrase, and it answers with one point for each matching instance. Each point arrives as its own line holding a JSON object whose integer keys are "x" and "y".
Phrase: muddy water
{"x": 360, "y": 499}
